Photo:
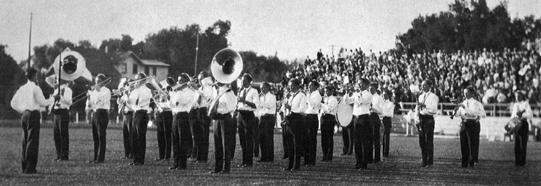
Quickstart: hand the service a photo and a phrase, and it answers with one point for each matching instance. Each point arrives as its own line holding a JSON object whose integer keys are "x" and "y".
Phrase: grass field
{"x": 496, "y": 165}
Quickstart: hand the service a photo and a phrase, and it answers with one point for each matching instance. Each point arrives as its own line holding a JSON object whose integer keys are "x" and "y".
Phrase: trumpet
{"x": 182, "y": 85}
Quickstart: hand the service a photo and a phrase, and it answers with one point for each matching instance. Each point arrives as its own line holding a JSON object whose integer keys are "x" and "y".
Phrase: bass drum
{"x": 344, "y": 113}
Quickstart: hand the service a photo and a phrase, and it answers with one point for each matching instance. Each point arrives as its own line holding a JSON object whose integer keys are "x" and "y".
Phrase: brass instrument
{"x": 225, "y": 67}
{"x": 68, "y": 65}
{"x": 84, "y": 95}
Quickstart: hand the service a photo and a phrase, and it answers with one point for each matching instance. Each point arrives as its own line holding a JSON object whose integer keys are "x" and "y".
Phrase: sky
{"x": 289, "y": 28}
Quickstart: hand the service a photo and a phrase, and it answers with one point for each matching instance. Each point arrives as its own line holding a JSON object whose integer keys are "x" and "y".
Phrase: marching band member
{"x": 375, "y": 122}
{"x": 164, "y": 122}
{"x": 311, "y": 123}
{"x": 362, "y": 128}
{"x": 471, "y": 112}
{"x": 182, "y": 102}
{"x": 283, "y": 112}
{"x": 329, "y": 109}
{"x": 521, "y": 110}
{"x": 267, "y": 110}
{"x": 99, "y": 102}
{"x": 221, "y": 111}
{"x": 427, "y": 106}
{"x": 202, "y": 121}
{"x": 140, "y": 99}
{"x": 387, "y": 108}
{"x": 248, "y": 99}
{"x": 127, "y": 130}
{"x": 296, "y": 105}
{"x": 28, "y": 100}
{"x": 347, "y": 132}
{"x": 61, "y": 121}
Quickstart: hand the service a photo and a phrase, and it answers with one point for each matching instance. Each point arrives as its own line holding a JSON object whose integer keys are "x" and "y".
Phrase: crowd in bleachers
{"x": 494, "y": 74}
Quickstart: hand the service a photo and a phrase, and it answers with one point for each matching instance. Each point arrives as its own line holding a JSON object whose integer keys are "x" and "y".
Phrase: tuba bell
{"x": 226, "y": 65}
{"x": 72, "y": 65}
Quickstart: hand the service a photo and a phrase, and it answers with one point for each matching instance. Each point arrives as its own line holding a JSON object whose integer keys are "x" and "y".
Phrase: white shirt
{"x": 127, "y": 106}
{"x": 377, "y": 102}
{"x": 387, "y": 108}
{"x": 313, "y": 103}
{"x": 267, "y": 104}
{"x": 330, "y": 105}
{"x": 183, "y": 100}
{"x": 163, "y": 104}
{"x": 472, "y": 109}
{"x": 140, "y": 98}
{"x": 431, "y": 103}
{"x": 361, "y": 102}
{"x": 520, "y": 106}
{"x": 65, "y": 98}
{"x": 21, "y": 102}
{"x": 206, "y": 94}
{"x": 227, "y": 102}
{"x": 297, "y": 102}
{"x": 251, "y": 95}
{"x": 99, "y": 99}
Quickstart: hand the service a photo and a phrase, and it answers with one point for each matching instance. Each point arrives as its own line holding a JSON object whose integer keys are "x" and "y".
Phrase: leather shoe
{"x": 92, "y": 161}
{"x": 214, "y": 172}
{"x": 287, "y": 169}
{"x": 173, "y": 167}
{"x": 158, "y": 159}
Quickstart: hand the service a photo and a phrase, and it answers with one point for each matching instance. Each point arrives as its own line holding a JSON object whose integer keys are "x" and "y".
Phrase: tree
{"x": 11, "y": 77}
{"x": 468, "y": 26}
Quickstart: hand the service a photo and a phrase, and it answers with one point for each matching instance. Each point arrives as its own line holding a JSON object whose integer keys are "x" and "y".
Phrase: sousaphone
{"x": 225, "y": 67}
{"x": 72, "y": 64}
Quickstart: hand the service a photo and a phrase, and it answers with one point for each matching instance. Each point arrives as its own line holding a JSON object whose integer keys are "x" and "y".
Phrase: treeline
{"x": 175, "y": 46}
{"x": 469, "y": 26}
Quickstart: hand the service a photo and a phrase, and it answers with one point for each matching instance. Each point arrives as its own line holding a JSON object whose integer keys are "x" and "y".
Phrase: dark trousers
{"x": 327, "y": 132}
{"x": 246, "y": 123}
{"x": 224, "y": 142}
{"x": 256, "y": 137}
{"x": 387, "y": 124}
{"x": 363, "y": 130}
{"x": 521, "y": 144}
{"x": 140, "y": 121}
{"x": 347, "y": 138}
{"x": 426, "y": 139}
{"x": 164, "y": 123}
{"x": 285, "y": 138}
{"x": 375, "y": 122}
{"x": 311, "y": 126}
{"x": 182, "y": 139}
{"x": 99, "y": 128}
{"x": 200, "y": 130}
{"x": 266, "y": 137}
{"x": 127, "y": 134}
{"x": 30, "y": 124}
{"x": 61, "y": 133}
{"x": 469, "y": 142}
{"x": 295, "y": 140}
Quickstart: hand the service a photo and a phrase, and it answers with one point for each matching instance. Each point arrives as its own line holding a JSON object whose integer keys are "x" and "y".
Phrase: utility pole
{"x": 196, "y": 52}
{"x": 29, "y": 43}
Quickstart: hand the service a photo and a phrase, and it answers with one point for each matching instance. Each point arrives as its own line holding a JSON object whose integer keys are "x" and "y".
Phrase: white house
{"x": 130, "y": 64}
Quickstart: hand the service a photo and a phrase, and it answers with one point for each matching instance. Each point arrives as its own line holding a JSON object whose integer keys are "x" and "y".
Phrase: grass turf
{"x": 496, "y": 164}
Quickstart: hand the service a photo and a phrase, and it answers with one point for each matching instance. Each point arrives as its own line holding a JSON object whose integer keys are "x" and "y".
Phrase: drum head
{"x": 344, "y": 114}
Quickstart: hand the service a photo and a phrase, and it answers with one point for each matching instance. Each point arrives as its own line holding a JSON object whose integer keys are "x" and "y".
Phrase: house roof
{"x": 145, "y": 62}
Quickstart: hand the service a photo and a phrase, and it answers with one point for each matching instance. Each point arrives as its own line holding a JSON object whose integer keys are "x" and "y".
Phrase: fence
{"x": 493, "y": 110}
